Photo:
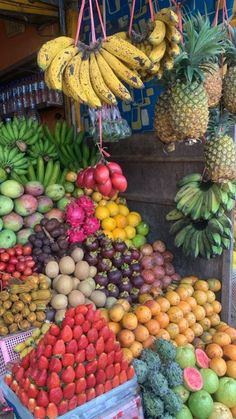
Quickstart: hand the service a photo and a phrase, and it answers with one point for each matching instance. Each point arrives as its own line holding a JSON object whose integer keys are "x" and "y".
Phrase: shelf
{"x": 39, "y": 107}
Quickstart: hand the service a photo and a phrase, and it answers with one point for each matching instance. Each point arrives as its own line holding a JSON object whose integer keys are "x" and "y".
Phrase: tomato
{"x": 11, "y": 251}
{"x": 3, "y": 266}
{"x": 27, "y": 250}
{"x": 119, "y": 182}
{"x": 6, "y": 277}
{"x": 30, "y": 263}
{"x": 4, "y": 257}
{"x": 16, "y": 275}
{"x": 101, "y": 174}
{"x": 28, "y": 272}
{"x": 20, "y": 266}
{"x": 19, "y": 251}
{"x": 114, "y": 167}
{"x": 13, "y": 260}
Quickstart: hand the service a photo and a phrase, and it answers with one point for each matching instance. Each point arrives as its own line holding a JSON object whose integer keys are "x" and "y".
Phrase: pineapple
{"x": 229, "y": 82}
{"x": 220, "y": 148}
{"x": 213, "y": 85}
{"x": 162, "y": 120}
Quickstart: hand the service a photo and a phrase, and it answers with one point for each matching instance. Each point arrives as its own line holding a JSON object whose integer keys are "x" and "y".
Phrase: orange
{"x": 144, "y": 297}
{"x": 130, "y": 232}
{"x": 231, "y": 369}
{"x": 133, "y": 219}
{"x": 189, "y": 289}
{"x": 222, "y": 326}
{"x": 108, "y": 234}
{"x": 219, "y": 366}
{"x": 189, "y": 279}
{"x": 143, "y": 313}
{"x": 215, "y": 319}
{"x": 116, "y": 312}
{"x": 181, "y": 340}
{"x": 205, "y": 323}
{"x": 128, "y": 355}
{"x": 141, "y": 333}
{"x": 200, "y": 297}
{"x": 208, "y": 309}
{"x": 126, "y": 338}
{"x": 216, "y": 306}
{"x": 185, "y": 307}
{"x": 173, "y": 297}
{"x": 213, "y": 350}
{"x": 231, "y": 331}
{"x": 210, "y": 296}
{"x": 123, "y": 210}
{"x": 148, "y": 342}
{"x": 206, "y": 337}
{"x": 129, "y": 321}
{"x": 221, "y": 338}
{"x": 201, "y": 285}
{"x": 191, "y": 319}
{"x": 153, "y": 306}
{"x": 113, "y": 208}
{"x": 115, "y": 327}
{"x": 183, "y": 293}
{"x": 230, "y": 352}
{"x": 163, "y": 319}
{"x": 153, "y": 327}
{"x": 175, "y": 314}
{"x": 163, "y": 303}
{"x": 173, "y": 330}
{"x": 197, "y": 329}
{"x": 119, "y": 234}
{"x": 97, "y": 196}
{"x": 124, "y": 303}
{"x": 136, "y": 349}
{"x": 163, "y": 334}
{"x": 192, "y": 302}
{"x": 189, "y": 335}
{"x": 101, "y": 213}
{"x": 108, "y": 224}
{"x": 214, "y": 284}
{"x": 120, "y": 221}
{"x": 183, "y": 325}
{"x": 199, "y": 312}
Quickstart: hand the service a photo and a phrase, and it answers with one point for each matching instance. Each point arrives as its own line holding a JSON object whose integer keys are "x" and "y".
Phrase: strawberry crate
{"x": 7, "y": 345}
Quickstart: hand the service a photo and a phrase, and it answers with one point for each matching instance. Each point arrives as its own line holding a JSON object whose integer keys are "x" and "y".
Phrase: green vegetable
{"x": 151, "y": 358}
{"x": 153, "y": 406}
{"x": 165, "y": 349}
{"x": 173, "y": 403}
{"x": 173, "y": 373}
{"x": 141, "y": 370}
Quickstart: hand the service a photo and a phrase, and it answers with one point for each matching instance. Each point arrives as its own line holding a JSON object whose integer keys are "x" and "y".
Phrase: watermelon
{"x": 202, "y": 359}
{"x": 192, "y": 379}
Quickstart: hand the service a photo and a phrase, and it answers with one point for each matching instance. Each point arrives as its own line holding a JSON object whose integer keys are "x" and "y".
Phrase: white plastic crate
{"x": 7, "y": 345}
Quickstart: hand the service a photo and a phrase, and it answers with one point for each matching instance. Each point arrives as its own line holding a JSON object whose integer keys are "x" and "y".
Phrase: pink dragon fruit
{"x": 91, "y": 225}
{"x": 87, "y": 204}
{"x": 76, "y": 235}
{"x": 75, "y": 215}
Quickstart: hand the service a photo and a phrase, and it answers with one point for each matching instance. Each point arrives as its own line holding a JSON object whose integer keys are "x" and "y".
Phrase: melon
{"x": 200, "y": 404}
{"x": 202, "y": 359}
{"x": 192, "y": 379}
{"x": 185, "y": 357}
{"x": 210, "y": 380}
{"x": 220, "y": 411}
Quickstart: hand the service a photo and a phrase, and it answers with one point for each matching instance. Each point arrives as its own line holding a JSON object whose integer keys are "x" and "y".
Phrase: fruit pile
{"x": 76, "y": 362}
{"x": 16, "y": 262}
{"x": 23, "y": 305}
{"x": 27, "y": 346}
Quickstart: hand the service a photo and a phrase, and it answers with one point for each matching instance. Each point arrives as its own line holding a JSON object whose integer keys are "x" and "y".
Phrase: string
{"x": 131, "y": 17}
{"x": 92, "y": 21}
{"x": 151, "y": 10}
{"x": 178, "y": 7}
{"x": 102, "y": 151}
{"x": 215, "y": 23}
{"x": 101, "y": 20}
{"x": 80, "y": 17}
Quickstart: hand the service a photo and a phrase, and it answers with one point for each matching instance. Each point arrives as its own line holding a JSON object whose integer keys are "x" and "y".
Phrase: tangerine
{"x": 191, "y": 319}
{"x": 163, "y": 303}
{"x": 183, "y": 293}
{"x": 230, "y": 352}
{"x": 163, "y": 334}
{"x": 181, "y": 340}
{"x": 148, "y": 342}
{"x": 175, "y": 314}
{"x": 208, "y": 309}
{"x": 210, "y": 296}
{"x": 185, "y": 307}
{"x": 153, "y": 327}
{"x": 231, "y": 331}
{"x": 116, "y": 312}
{"x": 199, "y": 312}
{"x": 121, "y": 221}
{"x": 128, "y": 355}
{"x": 124, "y": 303}
{"x": 123, "y": 209}
{"x": 231, "y": 369}
{"x": 216, "y": 306}
{"x": 126, "y": 338}
{"x": 108, "y": 234}
{"x": 197, "y": 329}
{"x": 129, "y": 321}
{"x": 143, "y": 313}
{"x": 96, "y": 196}
{"x": 200, "y": 297}
{"x": 192, "y": 302}
{"x": 115, "y": 327}
{"x": 153, "y": 306}
{"x": 119, "y": 234}
{"x": 173, "y": 330}
{"x": 173, "y": 297}
{"x": 219, "y": 366}
{"x": 205, "y": 323}
{"x": 133, "y": 219}
{"x": 108, "y": 224}
{"x": 101, "y": 213}
{"x": 113, "y": 208}
{"x": 189, "y": 334}
{"x": 201, "y": 285}
{"x": 215, "y": 319}
{"x": 183, "y": 325}
{"x": 144, "y": 297}
{"x": 163, "y": 319}
{"x": 214, "y": 284}
{"x": 130, "y": 232}
{"x": 136, "y": 348}
{"x": 141, "y": 333}
{"x": 221, "y": 338}
{"x": 213, "y": 350}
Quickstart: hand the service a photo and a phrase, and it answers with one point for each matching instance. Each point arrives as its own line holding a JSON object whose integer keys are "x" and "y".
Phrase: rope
{"x": 80, "y": 17}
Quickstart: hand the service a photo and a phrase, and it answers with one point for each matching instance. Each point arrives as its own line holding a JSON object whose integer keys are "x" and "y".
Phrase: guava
{"x": 210, "y": 380}
{"x": 23, "y": 235}
{"x": 55, "y": 192}
{"x": 202, "y": 359}
{"x": 226, "y": 392}
{"x": 7, "y": 239}
{"x": 78, "y": 192}
{"x": 192, "y": 379}
{"x": 185, "y": 357}
{"x": 69, "y": 187}
{"x": 200, "y": 404}
{"x": 63, "y": 202}
{"x": 184, "y": 413}
{"x": 6, "y": 205}
{"x": 45, "y": 204}
{"x": 182, "y": 392}
{"x": 33, "y": 219}
{"x": 26, "y": 205}
{"x": 139, "y": 241}
{"x": 13, "y": 221}
{"x": 143, "y": 228}
{"x": 220, "y": 411}
{"x": 12, "y": 189}
{"x": 34, "y": 188}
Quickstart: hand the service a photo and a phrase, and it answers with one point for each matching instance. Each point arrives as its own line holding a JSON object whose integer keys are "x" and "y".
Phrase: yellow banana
{"x": 71, "y": 80}
{"x": 155, "y": 68}
{"x": 50, "y": 49}
{"x": 121, "y": 70}
{"x": 158, "y": 33}
{"x": 126, "y": 52}
{"x": 98, "y": 83}
{"x": 160, "y": 73}
{"x": 122, "y": 35}
{"x": 58, "y": 65}
{"x": 112, "y": 81}
{"x": 46, "y": 79}
{"x": 67, "y": 91}
{"x": 158, "y": 52}
{"x": 167, "y": 62}
{"x": 84, "y": 77}
{"x": 173, "y": 49}
{"x": 172, "y": 34}
{"x": 168, "y": 16}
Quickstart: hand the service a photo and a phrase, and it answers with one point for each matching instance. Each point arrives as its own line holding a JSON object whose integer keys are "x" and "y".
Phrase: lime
{"x": 143, "y": 228}
{"x": 139, "y": 241}
{"x": 69, "y": 187}
{"x": 210, "y": 380}
{"x": 78, "y": 192}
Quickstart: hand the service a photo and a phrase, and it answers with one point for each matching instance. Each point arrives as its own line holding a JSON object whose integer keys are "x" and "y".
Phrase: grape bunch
{"x": 49, "y": 242}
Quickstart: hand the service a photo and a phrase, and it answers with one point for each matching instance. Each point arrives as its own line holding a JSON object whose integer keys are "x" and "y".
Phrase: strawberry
{"x": 59, "y": 348}
{"x": 55, "y": 395}
{"x": 53, "y": 381}
{"x": 107, "y": 386}
{"x": 80, "y": 371}
{"x": 115, "y": 381}
{"x": 110, "y": 371}
{"x": 118, "y": 356}
{"x": 25, "y": 362}
{"x": 110, "y": 358}
{"x": 26, "y": 384}
{"x": 68, "y": 321}
{"x": 42, "y": 398}
{"x": 23, "y": 397}
{"x": 99, "y": 324}
{"x": 72, "y": 403}
{"x": 91, "y": 381}
{"x": 32, "y": 391}
{"x": 55, "y": 365}
{"x": 39, "y": 412}
{"x": 34, "y": 374}
{"x": 68, "y": 375}
{"x": 90, "y": 314}
{"x": 49, "y": 339}
{"x": 48, "y": 351}
{"x": 105, "y": 333}
{"x": 51, "y": 412}
{"x": 40, "y": 349}
{"x": 123, "y": 377}
{"x": 91, "y": 394}
{"x": 124, "y": 365}
{"x": 100, "y": 377}
{"x": 117, "y": 368}
{"x": 116, "y": 346}
{"x": 15, "y": 386}
{"x": 80, "y": 385}
{"x": 41, "y": 378}
{"x": 72, "y": 347}
{"x": 69, "y": 391}
{"x": 43, "y": 363}
{"x": 70, "y": 312}
{"x": 63, "y": 407}
{"x": 77, "y": 332}
{"x": 109, "y": 345}
{"x": 80, "y": 356}
{"x": 102, "y": 360}
{"x": 130, "y": 372}
{"x": 54, "y": 330}
{"x": 92, "y": 335}
{"x": 66, "y": 334}
{"x": 91, "y": 367}
{"x": 83, "y": 342}
{"x": 99, "y": 389}
{"x": 15, "y": 368}
{"x": 20, "y": 374}
{"x": 79, "y": 319}
{"x": 86, "y": 326}
{"x": 90, "y": 352}
{"x": 31, "y": 405}
{"x": 97, "y": 315}
{"x": 81, "y": 309}
{"x": 68, "y": 359}
{"x": 81, "y": 399}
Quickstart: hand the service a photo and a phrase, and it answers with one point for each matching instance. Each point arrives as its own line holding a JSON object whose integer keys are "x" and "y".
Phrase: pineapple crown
{"x": 230, "y": 50}
{"x": 220, "y": 123}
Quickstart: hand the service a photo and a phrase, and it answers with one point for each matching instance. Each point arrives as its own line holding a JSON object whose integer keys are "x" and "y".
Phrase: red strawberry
{"x": 91, "y": 381}
{"x": 40, "y": 349}
{"x": 97, "y": 315}
{"x": 110, "y": 358}
{"x": 79, "y": 319}
{"x": 34, "y": 374}
{"x": 41, "y": 378}
{"x": 72, "y": 403}
{"x": 72, "y": 347}
{"x": 92, "y": 335}
{"x": 100, "y": 377}
{"x": 110, "y": 371}
{"x": 130, "y": 372}
{"x": 59, "y": 348}
{"x": 42, "y": 398}
{"x": 25, "y": 363}
{"x": 99, "y": 389}
{"x": 31, "y": 405}
{"x": 32, "y": 391}
{"x": 15, "y": 368}
{"x": 102, "y": 360}
{"x": 53, "y": 381}
{"x": 116, "y": 346}
{"x": 83, "y": 342}
{"x": 80, "y": 371}
{"x": 100, "y": 345}
{"x": 80, "y": 356}
{"x": 70, "y": 312}
{"x": 117, "y": 368}
{"x": 90, "y": 314}
{"x": 91, "y": 394}
{"x": 109, "y": 345}
{"x": 123, "y": 377}
{"x": 52, "y": 412}
{"x": 99, "y": 324}
{"x": 48, "y": 351}
{"x": 39, "y": 412}
{"x": 23, "y": 397}
{"x": 119, "y": 355}
{"x": 91, "y": 367}
{"x": 43, "y": 363}
{"x": 124, "y": 364}
{"x": 68, "y": 321}
{"x": 115, "y": 381}
{"x": 90, "y": 352}
{"x": 55, "y": 395}
{"x": 15, "y": 386}
{"x": 69, "y": 391}
{"x": 105, "y": 333}
{"x": 66, "y": 334}
{"x": 77, "y": 332}
{"x": 80, "y": 385}
{"x": 68, "y": 375}
{"x": 81, "y": 399}
{"x": 81, "y": 309}
{"x": 86, "y": 326}
{"x": 49, "y": 339}
{"x": 63, "y": 407}
{"x": 55, "y": 365}
{"x": 20, "y": 374}
{"x": 107, "y": 386}
{"x": 26, "y": 384}
{"x": 54, "y": 330}
{"x": 68, "y": 359}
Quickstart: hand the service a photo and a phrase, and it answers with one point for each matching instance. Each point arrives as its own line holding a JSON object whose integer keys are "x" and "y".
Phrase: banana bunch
{"x": 43, "y": 148}
{"x": 21, "y": 133}
{"x": 12, "y": 162}
{"x": 27, "y": 346}
{"x": 47, "y": 173}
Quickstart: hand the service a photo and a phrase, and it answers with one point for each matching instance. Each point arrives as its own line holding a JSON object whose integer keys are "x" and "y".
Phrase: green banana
{"x": 55, "y": 174}
{"x": 193, "y": 177}
{"x": 174, "y": 215}
{"x": 40, "y": 170}
{"x": 48, "y": 173}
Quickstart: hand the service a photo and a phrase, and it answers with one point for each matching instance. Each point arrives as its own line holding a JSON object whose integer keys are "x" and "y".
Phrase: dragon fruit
{"x": 75, "y": 214}
{"x": 76, "y": 235}
{"x": 87, "y": 204}
{"x": 91, "y": 225}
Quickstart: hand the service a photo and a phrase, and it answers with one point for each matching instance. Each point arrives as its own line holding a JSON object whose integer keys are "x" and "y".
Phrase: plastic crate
{"x": 7, "y": 345}
{"x": 121, "y": 402}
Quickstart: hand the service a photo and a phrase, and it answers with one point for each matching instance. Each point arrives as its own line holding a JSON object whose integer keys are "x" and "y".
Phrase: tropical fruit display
{"x": 27, "y": 346}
